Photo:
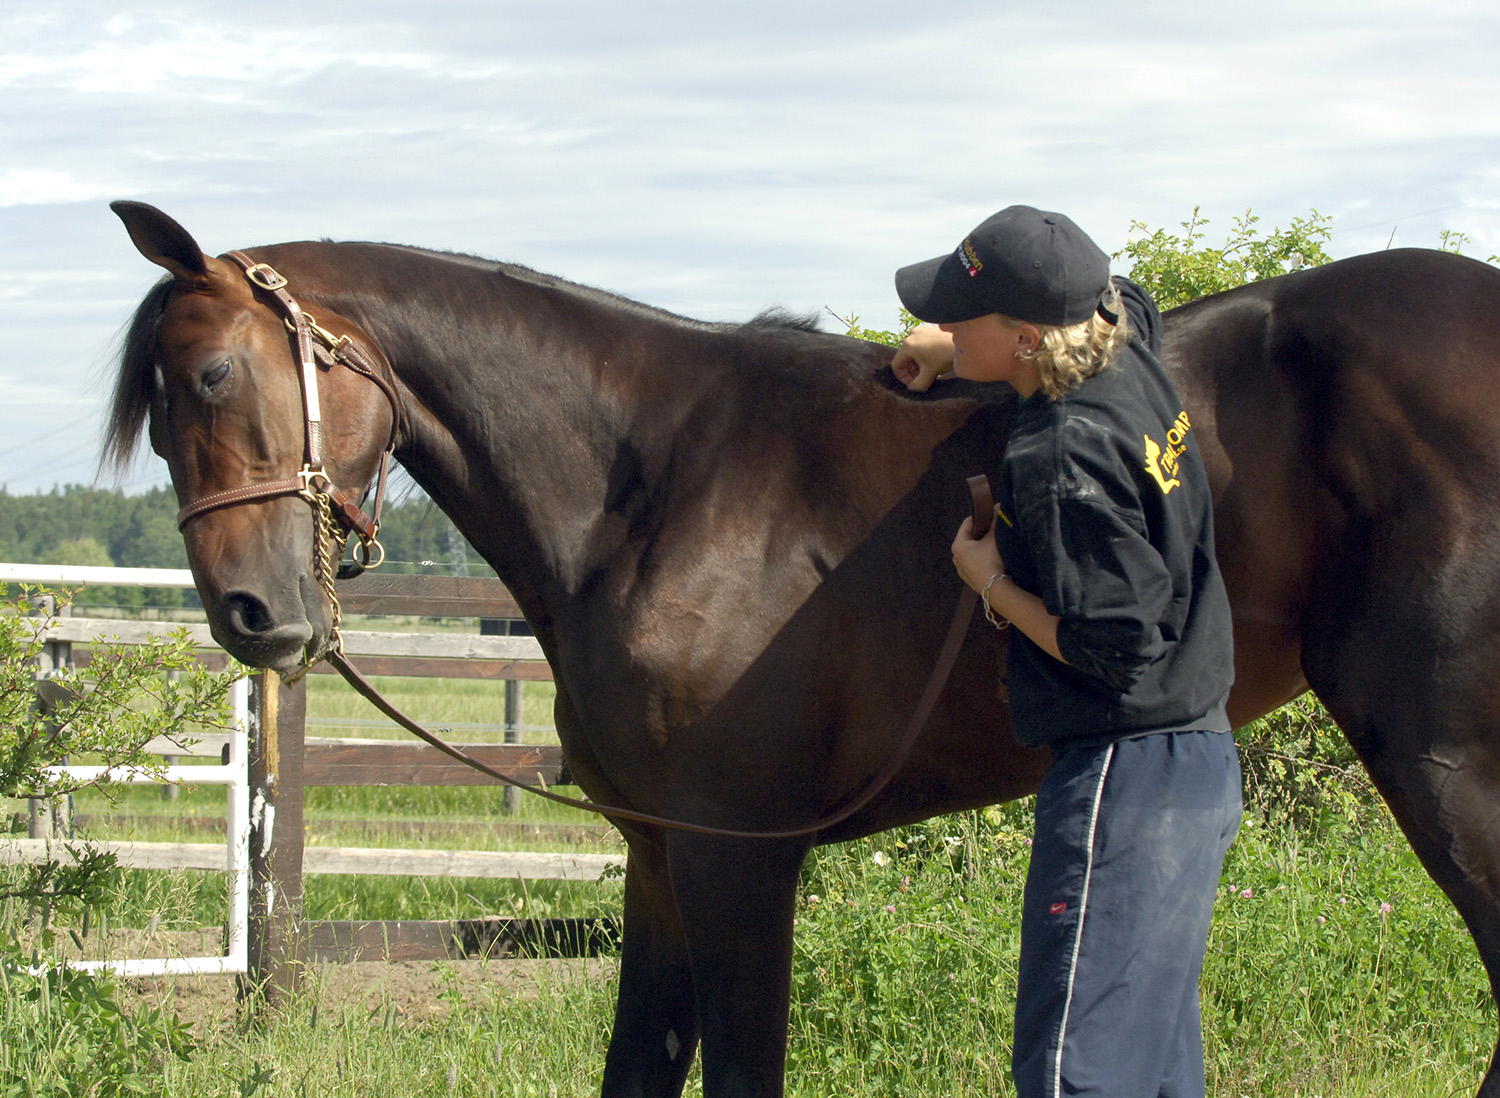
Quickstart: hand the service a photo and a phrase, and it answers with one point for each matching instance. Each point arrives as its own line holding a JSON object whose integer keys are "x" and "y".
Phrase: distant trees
{"x": 96, "y": 527}
{"x": 93, "y": 526}
{"x": 107, "y": 527}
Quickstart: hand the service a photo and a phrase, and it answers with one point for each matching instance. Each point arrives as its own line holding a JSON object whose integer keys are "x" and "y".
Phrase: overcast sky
{"x": 710, "y": 158}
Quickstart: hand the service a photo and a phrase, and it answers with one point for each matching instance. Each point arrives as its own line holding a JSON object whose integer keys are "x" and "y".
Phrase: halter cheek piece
{"x": 332, "y": 507}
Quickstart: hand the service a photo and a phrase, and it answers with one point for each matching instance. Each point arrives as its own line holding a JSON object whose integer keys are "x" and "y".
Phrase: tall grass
{"x": 1335, "y": 966}
{"x": 907, "y": 948}
{"x": 904, "y": 983}
{"x": 548, "y": 1044}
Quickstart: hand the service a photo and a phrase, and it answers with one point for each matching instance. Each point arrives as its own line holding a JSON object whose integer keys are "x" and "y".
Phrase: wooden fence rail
{"x": 380, "y": 861}
{"x": 283, "y": 761}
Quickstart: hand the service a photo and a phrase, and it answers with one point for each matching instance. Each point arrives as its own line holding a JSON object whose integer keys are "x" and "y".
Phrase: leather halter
{"x": 315, "y": 347}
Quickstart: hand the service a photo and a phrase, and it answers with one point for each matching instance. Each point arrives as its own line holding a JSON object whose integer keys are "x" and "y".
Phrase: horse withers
{"x": 732, "y": 543}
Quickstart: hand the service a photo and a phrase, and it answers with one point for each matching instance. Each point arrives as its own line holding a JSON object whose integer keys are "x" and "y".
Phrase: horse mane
{"x": 778, "y": 320}
{"x": 767, "y": 320}
{"x": 136, "y": 381}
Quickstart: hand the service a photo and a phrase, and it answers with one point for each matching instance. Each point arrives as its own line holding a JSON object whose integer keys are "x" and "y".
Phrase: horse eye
{"x": 212, "y": 377}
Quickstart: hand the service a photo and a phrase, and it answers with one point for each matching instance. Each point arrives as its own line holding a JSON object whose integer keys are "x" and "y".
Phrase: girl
{"x": 1121, "y": 657}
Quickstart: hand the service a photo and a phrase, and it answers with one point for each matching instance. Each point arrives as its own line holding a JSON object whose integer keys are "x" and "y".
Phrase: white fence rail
{"x": 233, "y": 773}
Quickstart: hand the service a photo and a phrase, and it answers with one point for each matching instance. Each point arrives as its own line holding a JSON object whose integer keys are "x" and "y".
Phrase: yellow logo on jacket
{"x": 1162, "y": 461}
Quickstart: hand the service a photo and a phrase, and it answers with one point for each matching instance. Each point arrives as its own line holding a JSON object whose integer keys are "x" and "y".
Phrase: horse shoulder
{"x": 759, "y": 538}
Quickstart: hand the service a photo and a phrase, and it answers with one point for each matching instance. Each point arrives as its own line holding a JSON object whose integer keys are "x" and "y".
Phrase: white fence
{"x": 233, "y": 773}
{"x": 455, "y": 649}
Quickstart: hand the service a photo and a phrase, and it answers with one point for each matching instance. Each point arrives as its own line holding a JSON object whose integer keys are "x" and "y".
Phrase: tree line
{"x": 82, "y": 525}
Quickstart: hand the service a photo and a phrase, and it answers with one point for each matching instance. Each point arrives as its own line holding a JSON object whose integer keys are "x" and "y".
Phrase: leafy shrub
{"x": 1299, "y": 769}
{"x": 1178, "y": 269}
{"x": 64, "y": 1032}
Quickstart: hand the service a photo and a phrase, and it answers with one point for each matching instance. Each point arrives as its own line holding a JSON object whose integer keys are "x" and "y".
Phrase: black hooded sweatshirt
{"x": 1104, "y": 512}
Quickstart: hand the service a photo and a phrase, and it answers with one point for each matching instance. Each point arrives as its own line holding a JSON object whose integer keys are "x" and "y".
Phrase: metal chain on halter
{"x": 328, "y": 548}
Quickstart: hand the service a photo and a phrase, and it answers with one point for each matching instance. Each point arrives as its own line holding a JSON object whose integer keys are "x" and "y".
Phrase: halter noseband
{"x": 332, "y": 507}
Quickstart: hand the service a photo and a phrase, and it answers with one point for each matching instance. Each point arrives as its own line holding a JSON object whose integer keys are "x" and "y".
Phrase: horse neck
{"x": 523, "y": 397}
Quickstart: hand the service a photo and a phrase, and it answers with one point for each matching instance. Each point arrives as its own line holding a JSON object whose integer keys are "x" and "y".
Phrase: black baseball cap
{"x": 1029, "y": 264}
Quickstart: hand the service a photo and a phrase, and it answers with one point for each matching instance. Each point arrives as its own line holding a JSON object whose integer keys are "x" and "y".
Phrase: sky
{"x": 711, "y": 159}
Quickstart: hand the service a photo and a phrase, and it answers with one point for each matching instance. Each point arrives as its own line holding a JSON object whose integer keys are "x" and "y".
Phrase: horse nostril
{"x": 259, "y": 632}
{"x": 248, "y": 614}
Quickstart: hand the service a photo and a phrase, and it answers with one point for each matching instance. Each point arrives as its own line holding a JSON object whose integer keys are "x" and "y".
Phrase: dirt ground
{"x": 409, "y": 988}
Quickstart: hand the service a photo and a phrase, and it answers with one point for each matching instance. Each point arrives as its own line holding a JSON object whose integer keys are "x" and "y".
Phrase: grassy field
{"x": 1335, "y": 968}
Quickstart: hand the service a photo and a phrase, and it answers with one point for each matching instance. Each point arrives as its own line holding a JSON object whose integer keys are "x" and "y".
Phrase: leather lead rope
{"x": 312, "y": 483}
{"x": 984, "y": 512}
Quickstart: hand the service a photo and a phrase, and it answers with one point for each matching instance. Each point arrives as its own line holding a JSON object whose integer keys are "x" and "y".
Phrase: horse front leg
{"x": 737, "y": 899}
{"x": 656, "y": 1018}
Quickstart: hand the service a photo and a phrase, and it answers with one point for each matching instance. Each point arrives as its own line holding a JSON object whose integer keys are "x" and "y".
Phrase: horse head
{"x": 217, "y": 373}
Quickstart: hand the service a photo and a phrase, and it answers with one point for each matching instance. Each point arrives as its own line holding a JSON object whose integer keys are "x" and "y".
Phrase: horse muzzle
{"x": 279, "y": 634}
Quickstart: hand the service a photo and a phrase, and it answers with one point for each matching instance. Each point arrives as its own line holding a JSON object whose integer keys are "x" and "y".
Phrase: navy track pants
{"x": 1130, "y": 841}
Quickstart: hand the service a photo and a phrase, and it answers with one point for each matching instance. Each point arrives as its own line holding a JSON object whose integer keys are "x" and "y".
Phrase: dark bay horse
{"x": 732, "y": 542}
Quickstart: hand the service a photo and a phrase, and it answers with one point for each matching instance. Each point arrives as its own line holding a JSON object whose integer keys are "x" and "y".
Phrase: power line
{"x": 1396, "y": 220}
{"x": 34, "y": 439}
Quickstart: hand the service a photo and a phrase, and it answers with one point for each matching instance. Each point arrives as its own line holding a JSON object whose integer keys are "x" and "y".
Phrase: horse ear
{"x": 163, "y": 241}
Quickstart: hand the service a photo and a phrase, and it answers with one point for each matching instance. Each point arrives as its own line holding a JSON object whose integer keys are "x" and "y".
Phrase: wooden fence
{"x": 283, "y": 761}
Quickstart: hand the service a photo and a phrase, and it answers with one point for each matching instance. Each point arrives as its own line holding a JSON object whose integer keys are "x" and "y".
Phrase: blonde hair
{"x": 1066, "y": 357}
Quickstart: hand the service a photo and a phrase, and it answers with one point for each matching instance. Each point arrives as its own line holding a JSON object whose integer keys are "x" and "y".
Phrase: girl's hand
{"x": 924, "y": 355}
{"x": 977, "y": 559}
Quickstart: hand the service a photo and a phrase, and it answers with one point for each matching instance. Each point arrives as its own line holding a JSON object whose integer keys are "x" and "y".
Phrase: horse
{"x": 731, "y": 541}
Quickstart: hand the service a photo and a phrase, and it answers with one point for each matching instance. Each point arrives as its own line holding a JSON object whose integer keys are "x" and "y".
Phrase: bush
{"x": 62, "y": 1031}
{"x": 1178, "y": 269}
{"x": 1300, "y": 770}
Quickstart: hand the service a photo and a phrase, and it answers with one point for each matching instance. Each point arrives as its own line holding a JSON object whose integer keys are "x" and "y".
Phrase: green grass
{"x": 335, "y": 710}
{"x": 549, "y": 1045}
{"x": 905, "y": 975}
{"x": 1335, "y": 967}
{"x": 1343, "y": 952}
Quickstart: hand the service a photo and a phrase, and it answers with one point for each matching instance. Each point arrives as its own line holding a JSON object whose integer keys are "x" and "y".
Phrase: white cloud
{"x": 43, "y": 186}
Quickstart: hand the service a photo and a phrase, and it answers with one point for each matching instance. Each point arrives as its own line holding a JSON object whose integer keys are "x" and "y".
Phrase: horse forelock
{"x": 136, "y": 381}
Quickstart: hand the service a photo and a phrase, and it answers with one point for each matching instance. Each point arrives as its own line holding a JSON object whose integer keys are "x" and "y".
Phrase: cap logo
{"x": 969, "y": 257}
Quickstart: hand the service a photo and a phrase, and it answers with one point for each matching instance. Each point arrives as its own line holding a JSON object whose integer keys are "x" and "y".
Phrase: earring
{"x": 1027, "y": 354}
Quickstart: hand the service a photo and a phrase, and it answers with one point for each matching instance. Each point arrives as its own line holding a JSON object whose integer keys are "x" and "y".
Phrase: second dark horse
{"x": 732, "y": 544}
